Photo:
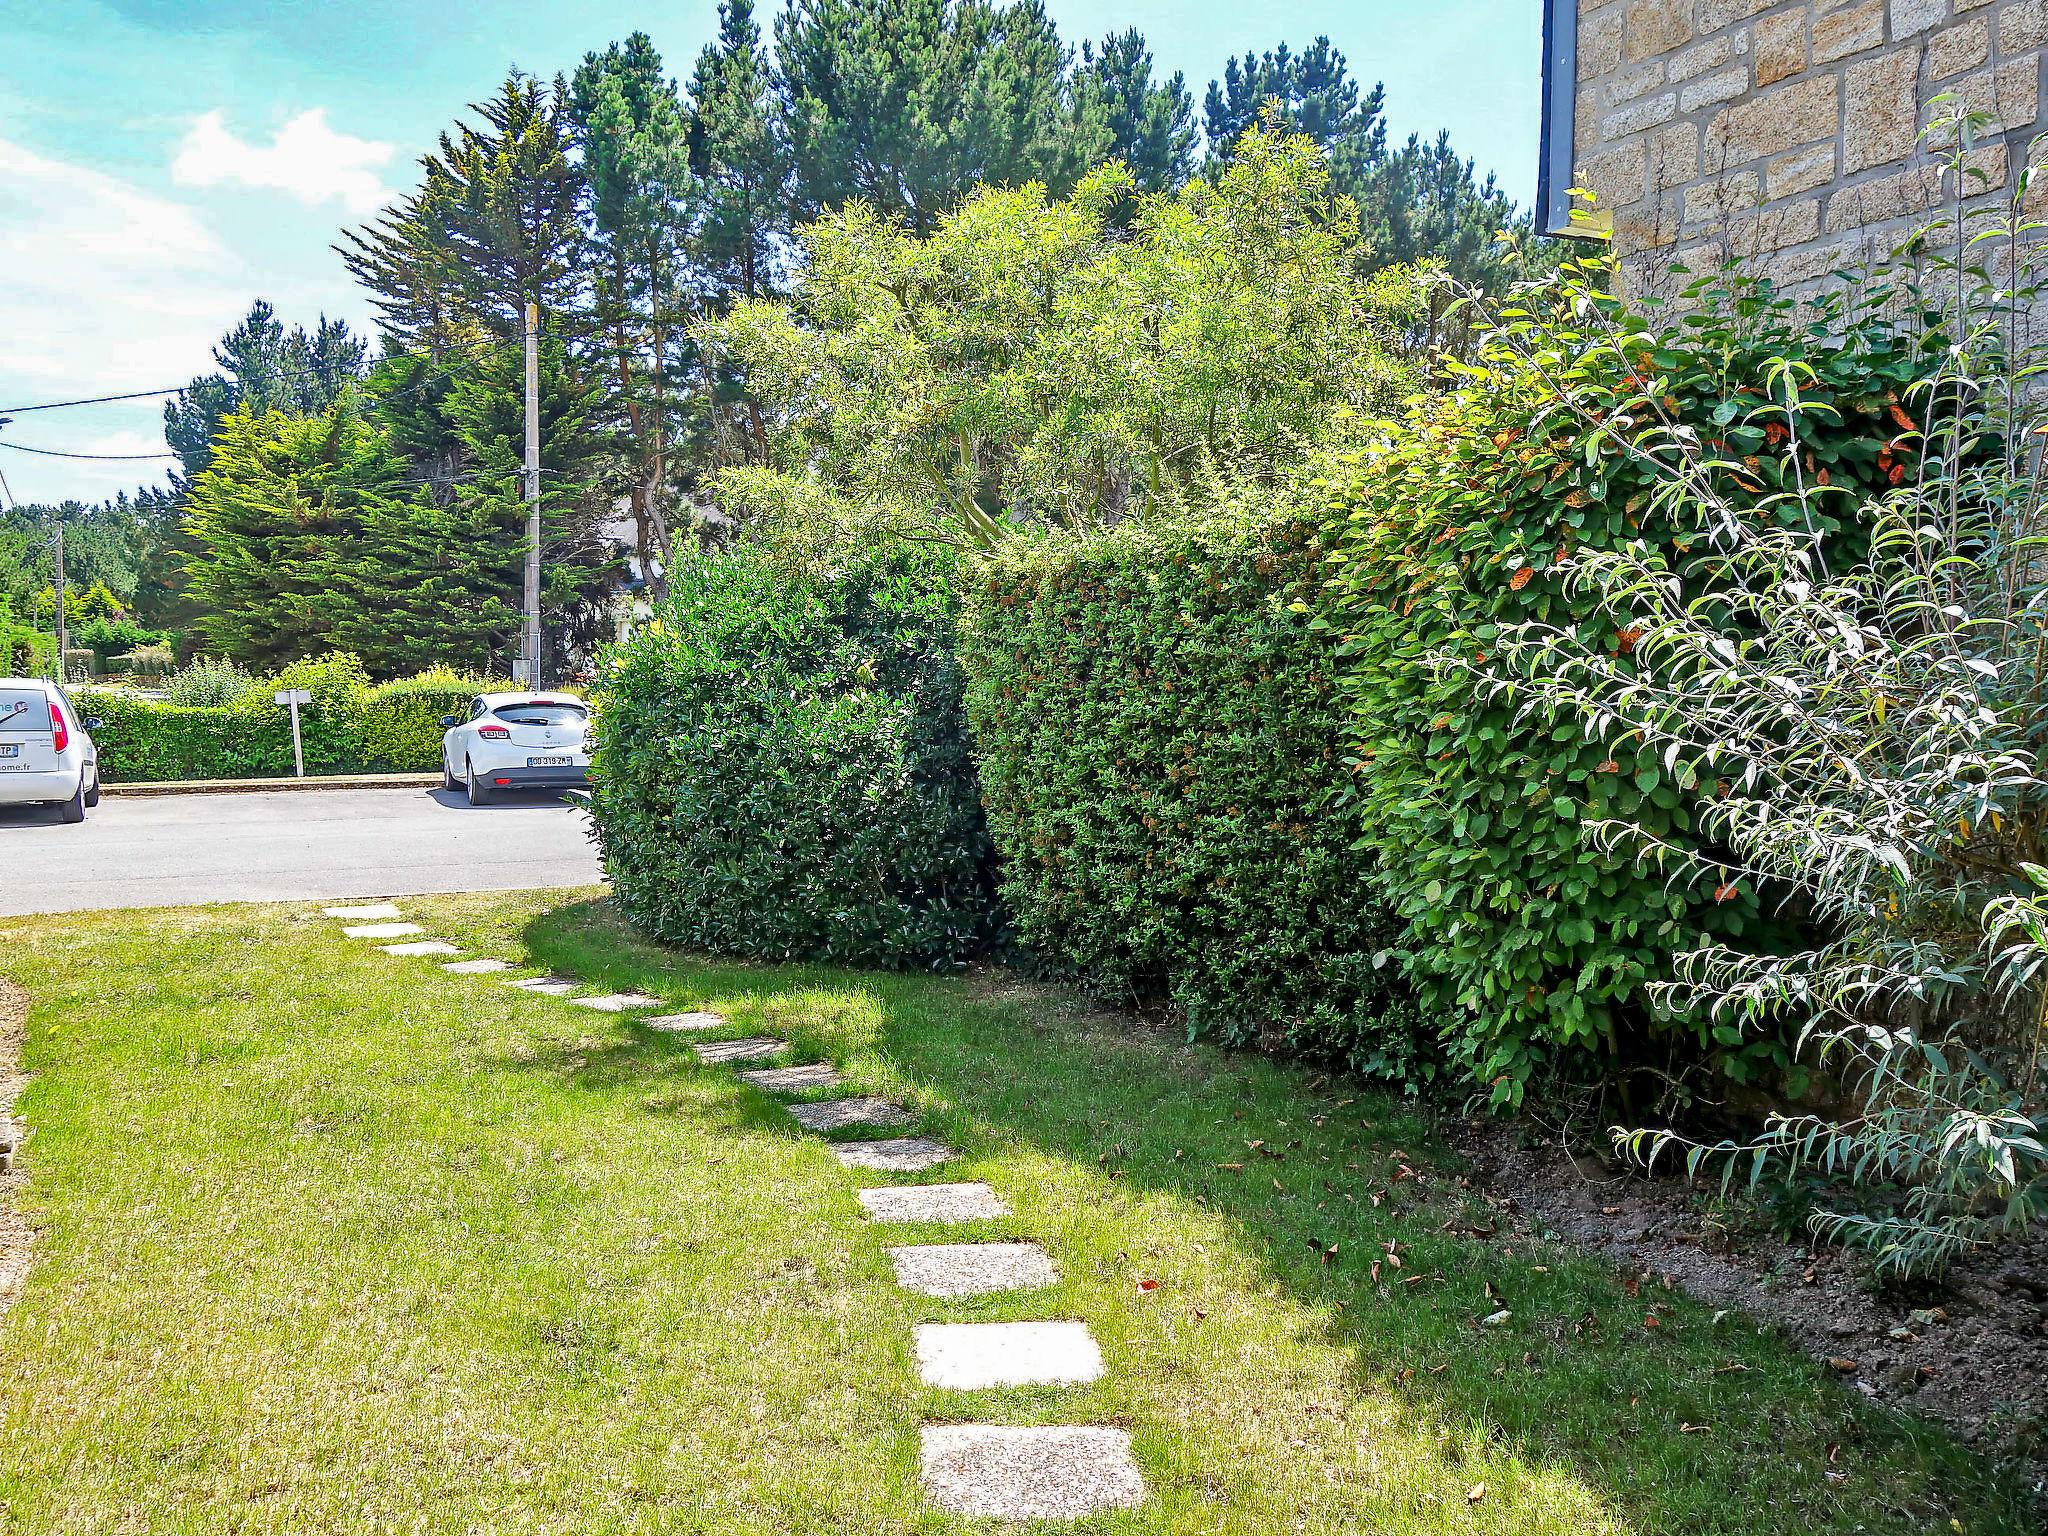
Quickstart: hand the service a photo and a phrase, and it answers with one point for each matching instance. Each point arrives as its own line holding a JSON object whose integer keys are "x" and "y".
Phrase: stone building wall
{"x": 1787, "y": 133}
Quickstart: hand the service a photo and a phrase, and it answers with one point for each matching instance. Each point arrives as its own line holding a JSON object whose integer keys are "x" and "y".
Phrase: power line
{"x": 468, "y": 348}
{"x": 53, "y": 453}
{"x": 65, "y": 405}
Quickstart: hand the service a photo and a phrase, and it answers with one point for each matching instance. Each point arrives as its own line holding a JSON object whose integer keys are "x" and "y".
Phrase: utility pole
{"x": 57, "y": 586}
{"x": 532, "y": 646}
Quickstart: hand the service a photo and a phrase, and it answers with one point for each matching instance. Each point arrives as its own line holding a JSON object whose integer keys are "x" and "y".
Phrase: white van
{"x": 46, "y": 753}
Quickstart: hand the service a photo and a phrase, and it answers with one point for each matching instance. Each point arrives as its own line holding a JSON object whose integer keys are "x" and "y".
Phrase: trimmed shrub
{"x": 782, "y": 770}
{"x": 1524, "y": 933}
{"x": 1160, "y": 755}
{"x": 402, "y": 719}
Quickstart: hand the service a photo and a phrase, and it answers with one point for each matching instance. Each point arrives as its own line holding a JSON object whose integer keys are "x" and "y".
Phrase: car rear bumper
{"x": 22, "y": 786}
{"x": 534, "y": 778}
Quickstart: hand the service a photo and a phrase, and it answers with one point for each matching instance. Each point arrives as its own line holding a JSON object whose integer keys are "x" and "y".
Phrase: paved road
{"x": 180, "y": 850}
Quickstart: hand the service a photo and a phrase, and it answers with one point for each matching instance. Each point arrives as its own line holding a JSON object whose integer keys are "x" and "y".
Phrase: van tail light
{"x": 60, "y": 733}
{"x": 494, "y": 733}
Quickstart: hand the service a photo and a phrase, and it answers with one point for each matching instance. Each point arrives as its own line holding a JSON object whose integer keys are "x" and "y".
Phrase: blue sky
{"x": 163, "y": 162}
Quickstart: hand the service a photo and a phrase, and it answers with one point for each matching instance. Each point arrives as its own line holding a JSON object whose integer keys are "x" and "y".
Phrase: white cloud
{"x": 307, "y": 158}
{"x": 108, "y": 288}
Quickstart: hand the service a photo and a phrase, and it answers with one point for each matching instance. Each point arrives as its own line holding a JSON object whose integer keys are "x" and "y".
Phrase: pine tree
{"x": 909, "y": 104}
{"x": 493, "y": 227}
{"x": 634, "y": 135}
{"x": 1151, "y": 128}
{"x": 1317, "y": 96}
{"x": 739, "y": 161}
{"x": 487, "y": 411}
{"x": 263, "y": 367}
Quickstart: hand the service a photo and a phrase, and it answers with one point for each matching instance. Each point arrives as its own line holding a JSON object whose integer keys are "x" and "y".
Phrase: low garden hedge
{"x": 781, "y": 767}
{"x": 351, "y": 726}
{"x": 1160, "y": 750}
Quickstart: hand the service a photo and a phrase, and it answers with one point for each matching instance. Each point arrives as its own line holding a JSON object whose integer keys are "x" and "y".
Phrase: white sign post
{"x": 295, "y": 697}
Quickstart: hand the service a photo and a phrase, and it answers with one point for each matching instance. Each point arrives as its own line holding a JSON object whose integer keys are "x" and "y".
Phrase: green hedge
{"x": 1525, "y": 936}
{"x": 402, "y": 719}
{"x": 1160, "y": 753}
{"x": 781, "y": 769}
{"x": 350, "y": 727}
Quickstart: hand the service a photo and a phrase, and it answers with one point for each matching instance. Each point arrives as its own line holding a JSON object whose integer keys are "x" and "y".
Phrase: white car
{"x": 46, "y": 755}
{"x": 516, "y": 741}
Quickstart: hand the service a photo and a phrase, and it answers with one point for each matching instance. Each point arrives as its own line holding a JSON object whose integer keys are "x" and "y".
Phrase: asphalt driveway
{"x": 182, "y": 850}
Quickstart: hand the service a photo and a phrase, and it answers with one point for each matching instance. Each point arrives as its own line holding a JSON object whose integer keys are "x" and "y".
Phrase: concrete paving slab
{"x": 817, "y": 1074}
{"x": 843, "y": 1114}
{"x": 719, "y": 1052}
{"x": 682, "y": 1023}
{"x": 928, "y": 1202}
{"x": 382, "y": 930}
{"x": 374, "y": 912}
{"x": 477, "y": 967}
{"x": 906, "y": 1154}
{"x": 1051, "y": 1472}
{"x": 421, "y": 947}
{"x": 617, "y": 1002}
{"x": 547, "y": 986}
{"x": 973, "y": 1269}
{"x": 967, "y": 1357}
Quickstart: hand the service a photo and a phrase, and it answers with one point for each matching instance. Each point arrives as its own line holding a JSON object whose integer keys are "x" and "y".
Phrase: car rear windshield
{"x": 541, "y": 714}
{"x": 23, "y": 710}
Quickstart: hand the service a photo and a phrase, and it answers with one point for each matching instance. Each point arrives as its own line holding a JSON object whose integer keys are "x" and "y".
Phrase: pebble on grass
{"x": 421, "y": 947}
{"x": 477, "y": 967}
{"x": 928, "y": 1202}
{"x": 547, "y": 986}
{"x": 905, "y": 1154}
{"x": 1052, "y": 1472}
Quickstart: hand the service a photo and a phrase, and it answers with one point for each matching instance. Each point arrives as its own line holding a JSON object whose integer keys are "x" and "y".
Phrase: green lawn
{"x": 335, "y": 1242}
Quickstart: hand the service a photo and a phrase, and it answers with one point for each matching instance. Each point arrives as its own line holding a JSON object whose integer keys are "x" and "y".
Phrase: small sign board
{"x": 295, "y": 697}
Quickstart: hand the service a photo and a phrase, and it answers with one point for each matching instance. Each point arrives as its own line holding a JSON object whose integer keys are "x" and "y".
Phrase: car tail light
{"x": 59, "y": 731}
{"x": 494, "y": 733}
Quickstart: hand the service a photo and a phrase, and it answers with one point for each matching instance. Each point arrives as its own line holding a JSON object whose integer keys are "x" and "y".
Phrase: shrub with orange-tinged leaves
{"x": 1468, "y": 516}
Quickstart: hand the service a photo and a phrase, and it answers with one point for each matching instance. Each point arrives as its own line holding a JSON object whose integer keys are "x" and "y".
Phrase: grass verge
{"x": 332, "y": 1241}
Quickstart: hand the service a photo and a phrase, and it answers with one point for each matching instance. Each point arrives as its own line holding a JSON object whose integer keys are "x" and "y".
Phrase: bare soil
{"x": 1969, "y": 1352}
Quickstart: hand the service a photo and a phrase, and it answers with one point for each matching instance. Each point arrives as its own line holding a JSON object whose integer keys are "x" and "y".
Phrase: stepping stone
{"x": 839, "y": 1114}
{"x": 617, "y": 1002}
{"x": 907, "y": 1154}
{"x": 477, "y": 967}
{"x": 927, "y": 1202}
{"x": 973, "y": 1269}
{"x": 720, "y": 1051}
{"x": 1057, "y": 1472}
{"x": 375, "y": 912}
{"x": 792, "y": 1079}
{"x": 547, "y": 986}
{"x": 677, "y": 1023}
{"x": 967, "y": 1357}
{"x": 383, "y": 931}
{"x": 421, "y": 947}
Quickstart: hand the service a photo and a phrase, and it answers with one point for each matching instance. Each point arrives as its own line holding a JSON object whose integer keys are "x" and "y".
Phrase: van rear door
{"x": 27, "y": 744}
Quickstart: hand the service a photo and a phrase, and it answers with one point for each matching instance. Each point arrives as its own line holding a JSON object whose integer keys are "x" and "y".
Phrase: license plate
{"x": 547, "y": 762}
{"x": 10, "y": 749}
